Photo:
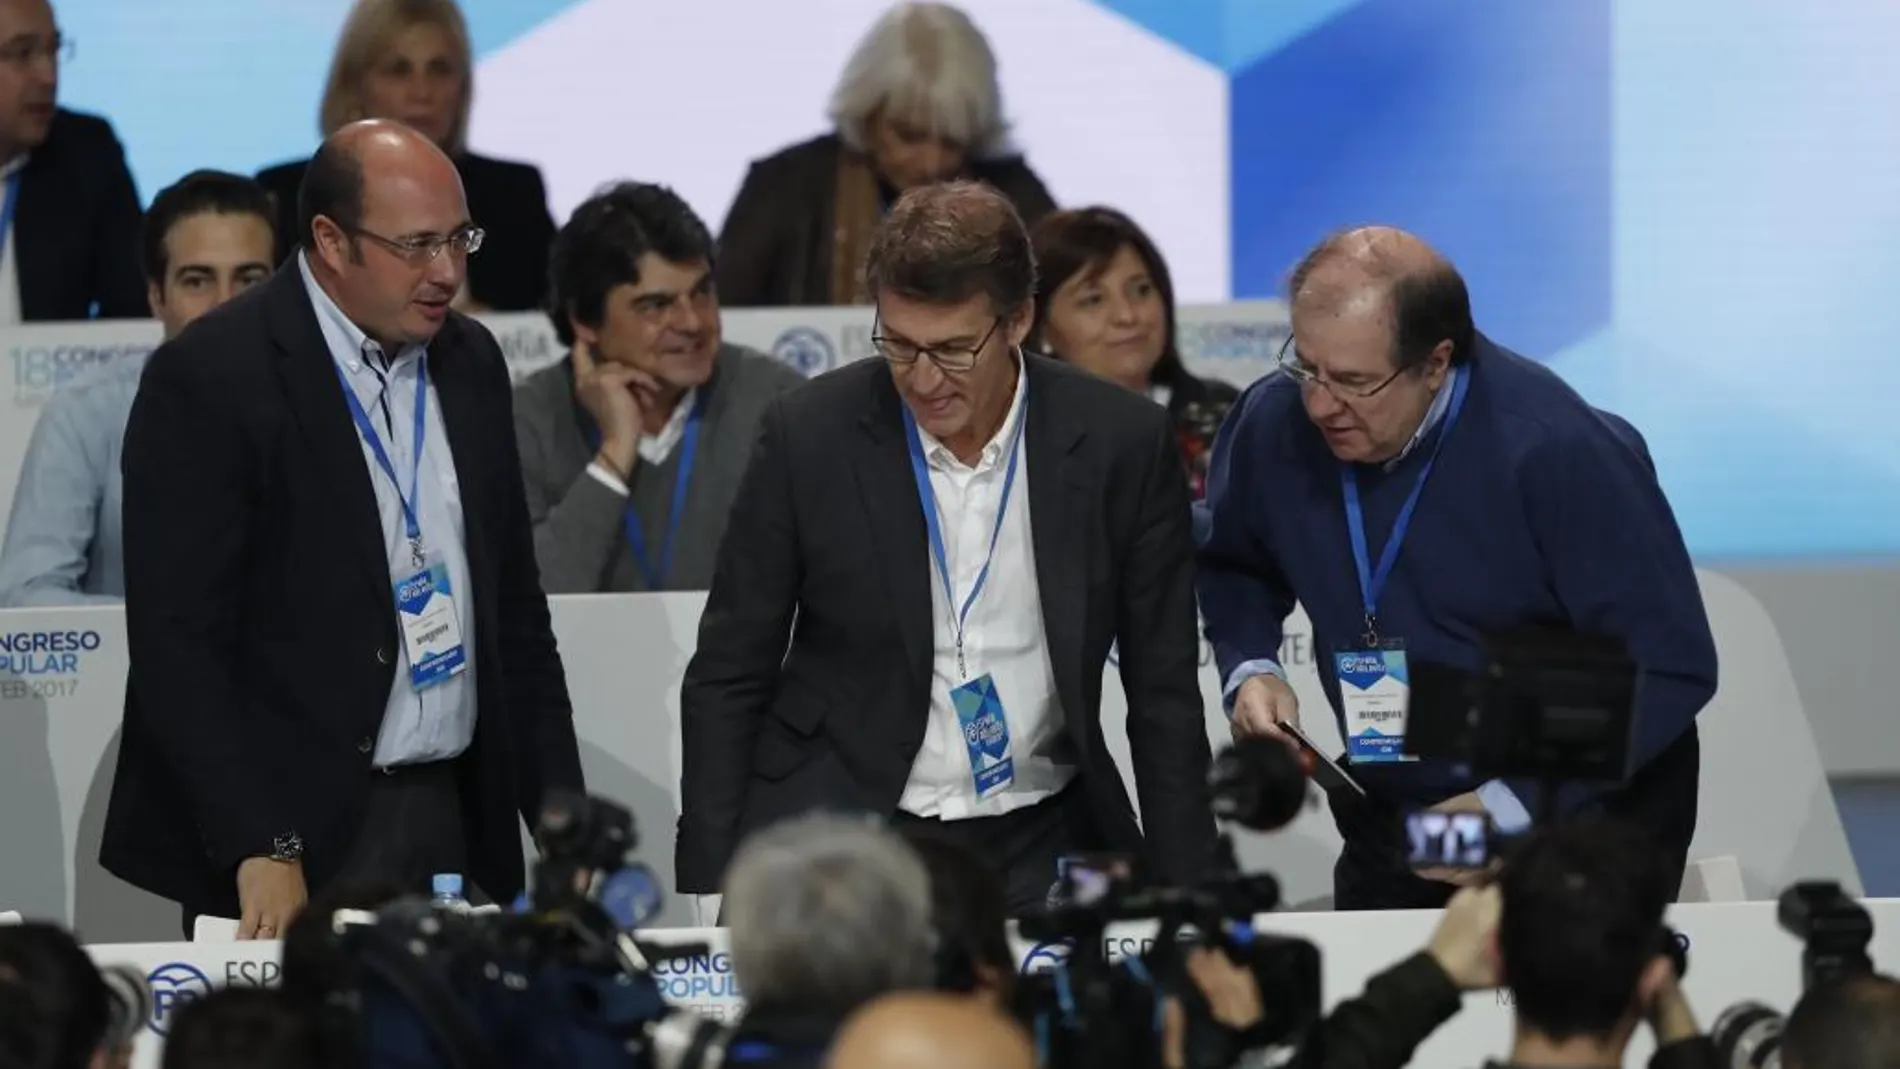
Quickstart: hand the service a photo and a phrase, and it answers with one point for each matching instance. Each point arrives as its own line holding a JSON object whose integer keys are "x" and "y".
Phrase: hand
{"x": 1261, "y": 705}
{"x": 617, "y": 397}
{"x": 1465, "y": 942}
{"x": 1233, "y": 1000}
{"x": 270, "y": 893}
{"x": 1668, "y": 1013}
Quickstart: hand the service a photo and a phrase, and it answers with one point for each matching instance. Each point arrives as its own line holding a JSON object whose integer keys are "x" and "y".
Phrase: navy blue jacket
{"x": 1541, "y": 510}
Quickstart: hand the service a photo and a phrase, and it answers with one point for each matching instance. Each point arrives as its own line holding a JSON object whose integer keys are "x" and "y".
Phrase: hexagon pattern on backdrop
{"x": 1686, "y": 208}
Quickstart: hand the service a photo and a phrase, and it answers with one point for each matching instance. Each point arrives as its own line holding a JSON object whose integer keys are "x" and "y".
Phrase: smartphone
{"x": 1325, "y": 771}
{"x": 1088, "y": 879}
{"x": 1450, "y": 840}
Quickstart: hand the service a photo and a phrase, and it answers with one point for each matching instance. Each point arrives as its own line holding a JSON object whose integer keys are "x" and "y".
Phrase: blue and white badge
{"x": 431, "y": 631}
{"x": 1374, "y": 691}
{"x": 985, "y": 734}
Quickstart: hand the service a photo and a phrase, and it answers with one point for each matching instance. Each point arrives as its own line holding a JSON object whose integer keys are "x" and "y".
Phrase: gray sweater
{"x": 579, "y": 538}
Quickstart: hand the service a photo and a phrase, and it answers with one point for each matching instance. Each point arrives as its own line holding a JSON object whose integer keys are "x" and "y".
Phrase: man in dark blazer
{"x": 928, "y": 560}
{"x": 341, "y": 659}
{"x": 69, "y": 215}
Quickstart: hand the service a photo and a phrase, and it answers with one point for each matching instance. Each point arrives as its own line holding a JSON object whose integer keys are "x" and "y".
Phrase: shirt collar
{"x": 14, "y": 166}
{"x": 347, "y": 341}
{"x": 943, "y": 459}
{"x": 1434, "y": 414}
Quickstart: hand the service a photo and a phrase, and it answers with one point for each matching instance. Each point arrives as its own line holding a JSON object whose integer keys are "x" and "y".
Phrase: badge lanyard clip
{"x": 412, "y": 525}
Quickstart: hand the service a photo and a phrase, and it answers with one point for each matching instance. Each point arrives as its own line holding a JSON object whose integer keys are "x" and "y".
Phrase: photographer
{"x": 56, "y": 1009}
{"x": 826, "y": 913}
{"x": 1851, "y": 1023}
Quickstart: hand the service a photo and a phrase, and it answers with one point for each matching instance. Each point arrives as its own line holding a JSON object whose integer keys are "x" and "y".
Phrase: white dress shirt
{"x": 438, "y": 722}
{"x": 652, "y": 448}
{"x": 10, "y": 310}
{"x": 1003, "y": 635}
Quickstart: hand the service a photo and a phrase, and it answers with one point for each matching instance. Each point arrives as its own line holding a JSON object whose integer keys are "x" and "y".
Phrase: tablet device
{"x": 1326, "y": 772}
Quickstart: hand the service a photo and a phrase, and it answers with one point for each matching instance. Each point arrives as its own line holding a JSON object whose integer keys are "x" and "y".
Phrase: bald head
{"x": 920, "y": 1030}
{"x": 385, "y": 229}
{"x": 362, "y": 156}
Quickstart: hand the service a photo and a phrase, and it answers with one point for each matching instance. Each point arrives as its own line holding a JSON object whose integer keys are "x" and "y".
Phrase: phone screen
{"x": 1087, "y": 879}
{"x": 1449, "y": 840}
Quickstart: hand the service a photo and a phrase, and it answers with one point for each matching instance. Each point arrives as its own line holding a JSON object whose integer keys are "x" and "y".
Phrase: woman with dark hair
{"x": 1105, "y": 303}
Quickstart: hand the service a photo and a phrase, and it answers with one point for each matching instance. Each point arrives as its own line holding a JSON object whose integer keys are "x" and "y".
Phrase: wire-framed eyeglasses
{"x": 1290, "y": 364}
{"x": 421, "y": 251}
{"x": 947, "y": 358}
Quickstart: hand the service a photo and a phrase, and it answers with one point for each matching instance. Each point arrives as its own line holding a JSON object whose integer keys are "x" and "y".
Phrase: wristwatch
{"x": 287, "y": 848}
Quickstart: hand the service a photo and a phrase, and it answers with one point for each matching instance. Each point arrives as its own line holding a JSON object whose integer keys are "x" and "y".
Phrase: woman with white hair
{"x": 410, "y": 60}
{"x": 917, "y": 103}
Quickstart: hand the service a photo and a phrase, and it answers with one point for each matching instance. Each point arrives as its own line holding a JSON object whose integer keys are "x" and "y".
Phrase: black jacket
{"x": 76, "y": 226}
{"x": 506, "y": 199}
{"x": 775, "y": 247}
{"x": 810, "y": 687}
{"x": 259, "y": 616}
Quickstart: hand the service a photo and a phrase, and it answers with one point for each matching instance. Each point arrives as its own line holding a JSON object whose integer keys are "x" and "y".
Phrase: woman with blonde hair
{"x": 917, "y": 103}
{"x": 410, "y": 60}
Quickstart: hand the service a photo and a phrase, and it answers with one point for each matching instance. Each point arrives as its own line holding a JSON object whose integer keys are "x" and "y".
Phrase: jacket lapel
{"x": 896, "y": 520}
{"x": 315, "y": 396}
{"x": 1058, "y": 518}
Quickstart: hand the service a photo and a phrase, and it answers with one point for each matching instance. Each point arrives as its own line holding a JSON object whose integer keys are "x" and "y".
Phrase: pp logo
{"x": 805, "y": 351}
{"x": 174, "y": 986}
{"x": 1044, "y": 957}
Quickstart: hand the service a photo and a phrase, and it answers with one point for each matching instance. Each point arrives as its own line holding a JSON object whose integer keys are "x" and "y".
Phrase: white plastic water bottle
{"x": 447, "y": 887}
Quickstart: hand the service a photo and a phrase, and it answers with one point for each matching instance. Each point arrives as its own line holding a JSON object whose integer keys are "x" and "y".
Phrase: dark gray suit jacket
{"x": 580, "y": 540}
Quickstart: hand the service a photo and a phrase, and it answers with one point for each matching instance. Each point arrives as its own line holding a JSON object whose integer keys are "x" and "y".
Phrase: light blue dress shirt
{"x": 1507, "y": 810}
{"x": 63, "y": 537}
{"x": 438, "y": 722}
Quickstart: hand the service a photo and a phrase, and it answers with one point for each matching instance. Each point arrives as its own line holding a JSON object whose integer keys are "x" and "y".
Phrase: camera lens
{"x": 1748, "y": 1036}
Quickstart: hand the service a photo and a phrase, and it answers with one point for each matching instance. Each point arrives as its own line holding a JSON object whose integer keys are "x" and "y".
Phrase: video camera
{"x": 562, "y": 982}
{"x": 1090, "y": 1012}
{"x": 1834, "y": 931}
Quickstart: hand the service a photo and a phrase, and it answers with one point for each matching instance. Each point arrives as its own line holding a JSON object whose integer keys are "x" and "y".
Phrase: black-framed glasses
{"x": 1303, "y": 373}
{"x": 423, "y": 251}
{"x": 947, "y": 358}
{"x": 58, "y": 48}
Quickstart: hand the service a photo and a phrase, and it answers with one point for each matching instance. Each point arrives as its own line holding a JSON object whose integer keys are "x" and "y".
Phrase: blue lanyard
{"x": 6, "y": 207}
{"x": 1372, "y": 583}
{"x": 920, "y": 468}
{"x": 376, "y": 449}
{"x": 636, "y": 535}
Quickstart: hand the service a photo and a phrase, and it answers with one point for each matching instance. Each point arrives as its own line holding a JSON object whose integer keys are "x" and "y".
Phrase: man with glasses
{"x": 926, "y": 564}
{"x": 632, "y": 448}
{"x": 69, "y": 215}
{"x": 342, "y": 667}
{"x": 1415, "y": 486}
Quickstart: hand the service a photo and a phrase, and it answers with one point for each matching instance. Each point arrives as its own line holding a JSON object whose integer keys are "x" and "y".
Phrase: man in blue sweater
{"x": 1415, "y": 486}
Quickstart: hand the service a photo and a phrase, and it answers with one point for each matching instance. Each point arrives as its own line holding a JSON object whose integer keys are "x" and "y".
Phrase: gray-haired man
{"x": 826, "y": 913}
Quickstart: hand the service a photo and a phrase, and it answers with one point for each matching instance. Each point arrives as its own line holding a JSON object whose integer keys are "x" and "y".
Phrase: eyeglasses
{"x": 421, "y": 252}
{"x": 946, "y": 358}
{"x": 22, "y": 52}
{"x": 1301, "y": 372}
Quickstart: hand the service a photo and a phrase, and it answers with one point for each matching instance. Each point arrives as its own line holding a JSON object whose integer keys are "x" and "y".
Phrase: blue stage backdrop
{"x": 1688, "y": 207}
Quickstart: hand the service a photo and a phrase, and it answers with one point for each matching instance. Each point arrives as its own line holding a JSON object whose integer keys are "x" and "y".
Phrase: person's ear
{"x": 155, "y": 298}
{"x": 1438, "y": 364}
{"x": 332, "y": 245}
{"x": 1019, "y": 323}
